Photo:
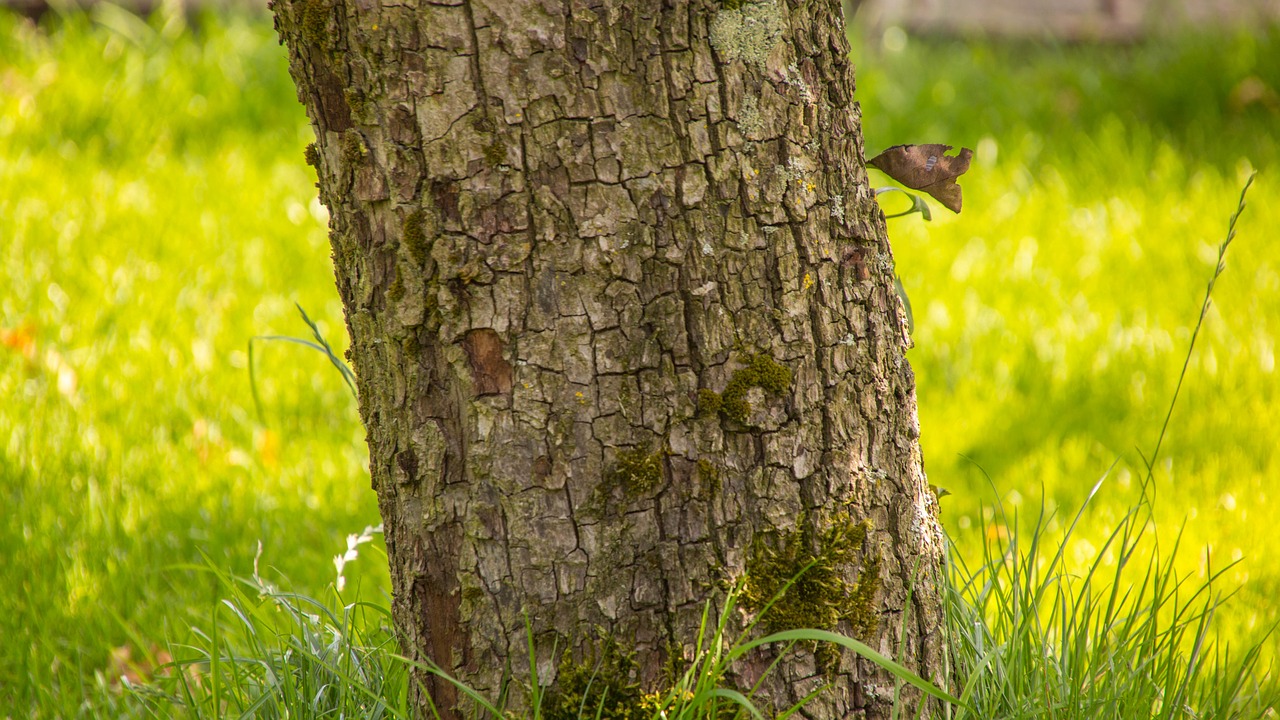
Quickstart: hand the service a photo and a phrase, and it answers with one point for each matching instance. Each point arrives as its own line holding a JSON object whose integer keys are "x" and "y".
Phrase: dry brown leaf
{"x": 926, "y": 168}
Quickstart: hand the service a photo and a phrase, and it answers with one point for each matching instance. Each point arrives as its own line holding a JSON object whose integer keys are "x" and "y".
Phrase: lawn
{"x": 1054, "y": 314}
{"x": 156, "y": 214}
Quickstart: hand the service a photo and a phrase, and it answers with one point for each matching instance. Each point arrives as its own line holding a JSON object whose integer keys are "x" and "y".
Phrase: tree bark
{"x": 622, "y": 312}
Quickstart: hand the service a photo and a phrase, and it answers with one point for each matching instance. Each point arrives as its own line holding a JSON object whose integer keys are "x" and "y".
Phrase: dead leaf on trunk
{"x": 926, "y": 168}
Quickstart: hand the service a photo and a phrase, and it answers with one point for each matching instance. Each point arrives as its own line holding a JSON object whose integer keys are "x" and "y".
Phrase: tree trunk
{"x": 622, "y": 311}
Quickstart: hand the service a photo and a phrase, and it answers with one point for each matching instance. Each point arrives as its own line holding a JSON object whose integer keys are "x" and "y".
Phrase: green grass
{"x": 1052, "y": 316}
{"x": 156, "y": 214}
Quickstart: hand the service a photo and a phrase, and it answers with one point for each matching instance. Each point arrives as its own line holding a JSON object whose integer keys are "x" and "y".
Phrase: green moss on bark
{"x": 495, "y": 154}
{"x": 708, "y": 403}
{"x": 760, "y": 371}
{"x": 356, "y": 100}
{"x": 603, "y": 688}
{"x": 312, "y": 155}
{"x": 637, "y": 471}
{"x": 314, "y": 23}
{"x": 807, "y": 574}
{"x": 861, "y": 610}
{"x": 709, "y": 477}
{"x": 414, "y": 236}
{"x": 353, "y": 148}
{"x": 395, "y": 291}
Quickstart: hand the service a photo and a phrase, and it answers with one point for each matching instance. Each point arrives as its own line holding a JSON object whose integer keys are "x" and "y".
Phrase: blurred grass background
{"x": 156, "y": 214}
{"x": 1053, "y": 316}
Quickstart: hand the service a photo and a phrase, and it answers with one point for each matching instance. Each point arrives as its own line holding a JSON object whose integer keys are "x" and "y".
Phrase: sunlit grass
{"x": 1053, "y": 314}
{"x": 156, "y": 214}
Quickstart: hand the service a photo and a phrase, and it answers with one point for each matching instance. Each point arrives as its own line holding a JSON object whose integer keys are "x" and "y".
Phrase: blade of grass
{"x": 848, "y": 643}
{"x": 319, "y": 344}
{"x": 1195, "y": 333}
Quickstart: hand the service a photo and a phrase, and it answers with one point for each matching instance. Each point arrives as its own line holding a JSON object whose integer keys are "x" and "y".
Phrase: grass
{"x": 1133, "y": 638}
{"x": 157, "y": 214}
{"x": 1053, "y": 315}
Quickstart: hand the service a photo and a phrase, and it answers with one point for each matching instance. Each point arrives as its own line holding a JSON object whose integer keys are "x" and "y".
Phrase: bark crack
{"x": 482, "y": 96}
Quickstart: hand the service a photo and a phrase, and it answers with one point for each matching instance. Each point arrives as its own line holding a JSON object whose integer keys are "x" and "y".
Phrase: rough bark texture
{"x": 622, "y": 311}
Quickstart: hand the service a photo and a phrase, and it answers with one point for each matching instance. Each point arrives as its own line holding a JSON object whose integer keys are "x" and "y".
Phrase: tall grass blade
{"x": 319, "y": 344}
{"x": 1204, "y": 310}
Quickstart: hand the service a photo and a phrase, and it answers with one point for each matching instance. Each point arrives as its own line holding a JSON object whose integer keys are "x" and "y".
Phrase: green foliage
{"x": 269, "y": 653}
{"x": 154, "y": 189}
{"x": 1098, "y": 113}
{"x": 1028, "y": 631}
{"x": 156, "y": 214}
{"x": 918, "y": 204}
{"x": 317, "y": 343}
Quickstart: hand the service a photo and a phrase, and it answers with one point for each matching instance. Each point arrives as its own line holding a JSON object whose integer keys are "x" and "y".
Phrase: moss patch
{"x": 602, "y": 688}
{"x": 637, "y": 470}
{"x": 315, "y": 23}
{"x": 356, "y": 100}
{"x": 312, "y": 155}
{"x": 353, "y": 149}
{"x": 809, "y": 572}
{"x": 709, "y": 476}
{"x": 395, "y": 291}
{"x": 414, "y": 236}
{"x": 761, "y": 371}
{"x": 708, "y": 403}
{"x": 861, "y": 611}
{"x": 495, "y": 153}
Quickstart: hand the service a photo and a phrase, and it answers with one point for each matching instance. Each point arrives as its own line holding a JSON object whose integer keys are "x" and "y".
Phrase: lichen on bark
{"x": 748, "y": 31}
